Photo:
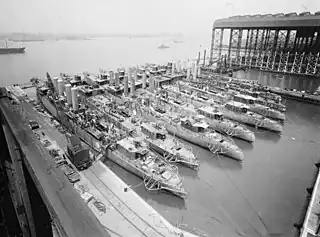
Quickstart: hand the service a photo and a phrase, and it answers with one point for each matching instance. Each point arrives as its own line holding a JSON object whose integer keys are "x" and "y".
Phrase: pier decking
{"x": 311, "y": 223}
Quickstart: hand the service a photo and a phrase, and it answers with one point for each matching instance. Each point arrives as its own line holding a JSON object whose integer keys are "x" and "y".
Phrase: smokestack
{"x": 204, "y": 58}
{"x": 60, "y": 86}
{"x": 198, "y": 71}
{"x": 144, "y": 80}
{"x": 129, "y": 74}
{"x": 116, "y": 80}
{"x": 126, "y": 85}
{"x": 198, "y": 61}
{"x": 55, "y": 83}
{"x": 111, "y": 74}
{"x": 151, "y": 84}
{"x": 74, "y": 94}
{"x": 135, "y": 74}
{"x": 68, "y": 94}
{"x": 133, "y": 84}
{"x": 194, "y": 74}
{"x": 184, "y": 65}
{"x": 188, "y": 73}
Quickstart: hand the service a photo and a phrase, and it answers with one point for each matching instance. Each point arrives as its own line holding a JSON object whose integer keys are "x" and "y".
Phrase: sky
{"x": 133, "y": 16}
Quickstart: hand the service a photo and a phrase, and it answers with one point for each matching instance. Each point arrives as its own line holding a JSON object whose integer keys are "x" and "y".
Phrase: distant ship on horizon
{"x": 163, "y": 47}
{"x": 178, "y": 41}
{"x": 11, "y": 50}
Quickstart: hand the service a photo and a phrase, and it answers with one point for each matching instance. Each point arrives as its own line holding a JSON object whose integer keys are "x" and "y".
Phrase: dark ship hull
{"x": 12, "y": 50}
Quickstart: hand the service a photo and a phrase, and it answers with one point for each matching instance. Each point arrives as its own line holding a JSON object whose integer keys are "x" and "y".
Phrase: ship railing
{"x": 215, "y": 148}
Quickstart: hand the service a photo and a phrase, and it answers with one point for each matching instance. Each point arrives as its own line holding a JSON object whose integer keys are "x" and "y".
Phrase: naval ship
{"x": 12, "y": 50}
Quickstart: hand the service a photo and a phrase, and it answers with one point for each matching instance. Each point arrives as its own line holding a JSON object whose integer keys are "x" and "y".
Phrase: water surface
{"x": 264, "y": 194}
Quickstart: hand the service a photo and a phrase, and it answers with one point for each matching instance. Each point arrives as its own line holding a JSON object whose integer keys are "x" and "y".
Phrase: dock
{"x": 311, "y": 224}
{"x": 115, "y": 213}
{"x": 297, "y": 95}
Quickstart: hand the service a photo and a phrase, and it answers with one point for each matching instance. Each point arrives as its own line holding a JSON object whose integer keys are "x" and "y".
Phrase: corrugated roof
{"x": 280, "y": 20}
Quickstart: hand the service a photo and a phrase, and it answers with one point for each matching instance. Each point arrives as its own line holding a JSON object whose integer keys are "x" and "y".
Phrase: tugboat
{"x": 195, "y": 130}
{"x": 133, "y": 155}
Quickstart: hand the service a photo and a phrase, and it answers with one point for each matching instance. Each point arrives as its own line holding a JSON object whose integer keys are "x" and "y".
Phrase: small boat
{"x": 195, "y": 130}
{"x": 133, "y": 155}
{"x": 163, "y": 47}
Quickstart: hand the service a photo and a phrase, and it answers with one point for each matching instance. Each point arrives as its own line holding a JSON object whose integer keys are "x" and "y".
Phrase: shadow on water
{"x": 136, "y": 184}
{"x": 226, "y": 163}
{"x": 184, "y": 171}
{"x": 244, "y": 145}
{"x": 267, "y": 136}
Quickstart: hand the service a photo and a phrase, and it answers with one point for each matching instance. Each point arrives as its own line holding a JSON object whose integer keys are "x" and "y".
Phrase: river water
{"x": 265, "y": 195}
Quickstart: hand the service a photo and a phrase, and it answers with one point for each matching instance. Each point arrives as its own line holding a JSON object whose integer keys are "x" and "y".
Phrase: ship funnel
{"x": 126, "y": 85}
{"x": 198, "y": 71}
{"x": 133, "y": 82}
{"x": 188, "y": 73}
{"x": 184, "y": 65}
{"x": 68, "y": 94}
{"x": 135, "y": 74}
{"x": 55, "y": 83}
{"x": 116, "y": 79}
{"x": 112, "y": 82}
{"x": 144, "y": 80}
{"x": 74, "y": 94}
{"x": 60, "y": 87}
{"x": 151, "y": 84}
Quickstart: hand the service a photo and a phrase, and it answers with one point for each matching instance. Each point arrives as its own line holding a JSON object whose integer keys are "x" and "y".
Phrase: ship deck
{"x": 126, "y": 213}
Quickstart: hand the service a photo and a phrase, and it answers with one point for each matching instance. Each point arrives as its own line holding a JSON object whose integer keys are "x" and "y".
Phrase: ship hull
{"x": 220, "y": 126}
{"x": 94, "y": 143}
{"x": 117, "y": 158}
{"x": 12, "y": 50}
{"x": 162, "y": 153}
{"x": 273, "y": 114}
{"x": 241, "y": 118}
{"x": 204, "y": 142}
{"x": 68, "y": 123}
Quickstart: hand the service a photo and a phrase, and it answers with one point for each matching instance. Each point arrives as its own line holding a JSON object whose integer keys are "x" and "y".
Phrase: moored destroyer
{"x": 277, "y": 105}
{"x": 167, "y": 147}
{"x": 170, "y": 149}
{"x": 240, "y": 112}
{"x": 214, "y": 118}
{"x": 132, "y": 153}
{"x": 258, "y": 108}
{"x": 195, "y": 130}
{"x": 236, "y": 111}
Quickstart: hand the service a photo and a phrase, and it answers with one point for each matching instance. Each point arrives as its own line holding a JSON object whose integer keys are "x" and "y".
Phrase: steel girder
{"x": 297, "y": 63}
{"x": 234, "y": 44}
{"x": 261, "y": 34}
{"x": 248, "y": 47}
{"x": 283, "y": 62}
{"x": 216, "y": 45}
{"x": 313, "y": 62}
